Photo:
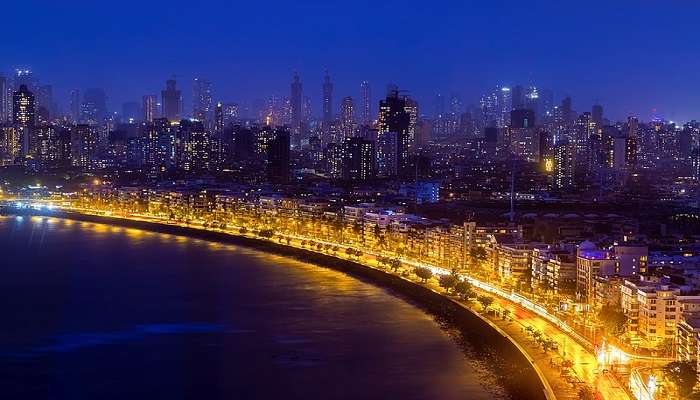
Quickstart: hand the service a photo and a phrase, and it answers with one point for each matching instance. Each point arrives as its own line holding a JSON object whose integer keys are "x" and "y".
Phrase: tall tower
{"x": 171, "y": 98}
{"x": 395, "y": 122}
{"x": 295, "y": 100}
{"x": 327, "y": 105}
{"x": 347, "y": 118}
{"x": 4, "y": 101}
{"x": 74, "y": 105}
{"x": 23, "y": 107}
{"x": 201, "y": 99}
{"x": 23, "y": 117}
{"x": 219, "y": 118}
{"x": 149, "y": 107}
{"x": 366, "y": 103}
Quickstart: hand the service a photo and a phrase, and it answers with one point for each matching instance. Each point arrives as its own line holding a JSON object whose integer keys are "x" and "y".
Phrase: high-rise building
{"x": 23, "y": 107}
{"x": 231, "y": 113}
{"x": 84, "y": 139}
{"x": 192, "y": 146}
{"x": 506, "y": 106}
{"x": 327, "y": 105}
{"x": 159, "y": 144}
{"x": 296, "y": 105}
{"x": 219, "y": 119}
{"x": 564, "y": 165}
{"x": 5, "y": 101}
{"x": 171, "y": 100}
{"x": 347, "y": 118}
{"x": 358, "y": 159}
{"x": 150, "y": 108}
{"x": 394, "y": 117}
{"x": 94, "y": 106}
{"x": 366, "y": 103}
{"x": 45, "y": 107}
{"x": 201, "y": 99}
{"x": 518, "y": 98}
{"x": 74, "y": 105}
{"x": 278, "y": 164}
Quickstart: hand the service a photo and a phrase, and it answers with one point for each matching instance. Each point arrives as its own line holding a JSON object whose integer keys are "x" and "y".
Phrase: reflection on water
{"x": 96, "y": 311}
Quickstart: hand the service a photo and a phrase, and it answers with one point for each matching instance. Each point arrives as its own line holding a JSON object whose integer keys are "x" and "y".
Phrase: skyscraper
{"x": 327, "y": 105}
{"x": 366, "y": 103}
{"x": 278, "y": 157}
{"x": 518, "y": 97}
{"x": 219, "y": 118}
{"x": 171, "y": 99}
{"x": 347, "y": 118}
{"x": 44, "y": 102}
{"x": 74, "y": 105}
{"x": 150, "y": 108}
{"x": 201, "y": 99}
{"x": 94, "y": 106}
{"x": 4, "y": 101}
{"x": 506, "y": 106}
{"x": 295, "y": 100}
{"x": 24, "y": 118}
{"x": 358, "y": 159}
{"x": 23, "y": 107}
{"x": 393, "y": 117}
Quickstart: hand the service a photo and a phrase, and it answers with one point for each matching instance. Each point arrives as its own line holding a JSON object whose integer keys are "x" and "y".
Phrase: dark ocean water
{"x": 91, "y": 311}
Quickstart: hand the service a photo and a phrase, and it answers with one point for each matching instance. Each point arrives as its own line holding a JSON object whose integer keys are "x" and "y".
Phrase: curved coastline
{"x": 520, "y": 376}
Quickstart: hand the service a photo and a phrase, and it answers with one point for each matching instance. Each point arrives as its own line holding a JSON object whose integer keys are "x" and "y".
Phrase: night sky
{"x": 631, "y": 55}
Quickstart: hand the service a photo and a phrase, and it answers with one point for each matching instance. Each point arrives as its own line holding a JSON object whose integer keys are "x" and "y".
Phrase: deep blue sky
{"x": 632, "y": 55}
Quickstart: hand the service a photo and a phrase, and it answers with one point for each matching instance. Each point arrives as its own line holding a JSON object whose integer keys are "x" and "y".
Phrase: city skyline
{"x": 633, "y": 67}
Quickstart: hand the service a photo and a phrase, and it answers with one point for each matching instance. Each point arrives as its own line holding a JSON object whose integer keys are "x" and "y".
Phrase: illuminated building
{"x": 334, "y": 160}
{"x": 5, "y": 101}
{"x": 74, "y": 105}
{"x": 171, "y": 100}
{"x": 347, "y": 118}
{"x": 387, "y": 153}
{"x": 24, "y": 118}
{"x": 23, "y": 107}
{"x": 219, "y": 119}
{"x": 150, "y": 108}
{"x": 505, "y": 103}
{"x": 591, "y": 262}
{"x": 159, "y": 138}
{"x": 393, "y": 149}
{"x": 231, "y": 113}
{"x": 45, "y": 107}
{"x": 411, "y": 109}
{"x": 524, "y": 141}
{"x": 9, "y": 145}
{"x": 295, "y": 101}
{"x": 564, "y": 165}
{"x": 327, "y": 101}
{"x": 366, "y": 103}
{"x": 358, "y": 159}
{"x": 201, "y": 99}
{"x": 83, "y": 142}
{"x": 93, "y": 109}
{"x": 192, "y": 146}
